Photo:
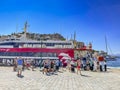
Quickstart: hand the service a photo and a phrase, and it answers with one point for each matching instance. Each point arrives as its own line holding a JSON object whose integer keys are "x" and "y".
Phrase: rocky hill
{"x": 37, "y": 36}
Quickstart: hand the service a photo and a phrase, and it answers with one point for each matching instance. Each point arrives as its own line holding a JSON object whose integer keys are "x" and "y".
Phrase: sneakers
{"x": 17, "y": 74}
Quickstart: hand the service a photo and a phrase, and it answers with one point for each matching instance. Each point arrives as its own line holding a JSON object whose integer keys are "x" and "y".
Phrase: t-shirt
{"x": 57, "y": 63}
{"x": 100, "y": 58}
{"x": 20, "y": 62}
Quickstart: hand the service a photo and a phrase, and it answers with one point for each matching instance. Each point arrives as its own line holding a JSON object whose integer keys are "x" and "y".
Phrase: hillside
{"x": 36, "y": 36}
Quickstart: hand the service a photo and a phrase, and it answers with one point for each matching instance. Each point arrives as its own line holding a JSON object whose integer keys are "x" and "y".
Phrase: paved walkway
{"x": 35, "y": 80}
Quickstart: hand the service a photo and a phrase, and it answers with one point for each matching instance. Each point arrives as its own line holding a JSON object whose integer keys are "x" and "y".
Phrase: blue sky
{"x": 91, "y": 19}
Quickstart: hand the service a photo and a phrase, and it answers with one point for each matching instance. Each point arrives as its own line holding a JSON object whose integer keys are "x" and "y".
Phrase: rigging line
{"x": 108, "y": 46}
{"x": 110, "y": 49}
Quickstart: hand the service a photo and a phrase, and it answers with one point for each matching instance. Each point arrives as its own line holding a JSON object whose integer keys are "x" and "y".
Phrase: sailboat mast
{"x": 25, "y": 29}
{"x": 106, "y": 45}
{"x": 74, "y": 40}
{"x": 16, "y": 28}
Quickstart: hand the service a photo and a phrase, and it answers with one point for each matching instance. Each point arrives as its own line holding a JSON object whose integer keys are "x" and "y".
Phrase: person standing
{"x": 79, "y": 66}
{"x": 46, "y": 67}
{"x": 57, "y": 64}
{"x": 105, "y": 66}
{"x": 91, "y": 64}
{"x": 32, "y": 65}
{"x": 84, "y": 63}
{"x": 100, "y": 63}
{"x": 52, "y": 67}
{"x": 14, "y": 64}
{"x": 101, "y": 59}
{"x": 19, "y": 66}
{"x": 72, "y": 66}
{"x": 95, "y": 65}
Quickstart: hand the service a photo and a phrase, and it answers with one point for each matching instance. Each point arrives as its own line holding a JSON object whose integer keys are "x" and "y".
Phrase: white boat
{"x": 108, "y": 56}
{"x": 13, "y": 47}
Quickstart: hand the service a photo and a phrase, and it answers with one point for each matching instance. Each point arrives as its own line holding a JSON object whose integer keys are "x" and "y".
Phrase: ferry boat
{"x": 13, "y": 47}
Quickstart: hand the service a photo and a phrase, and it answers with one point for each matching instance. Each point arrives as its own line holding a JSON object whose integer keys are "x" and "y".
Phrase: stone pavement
{"x": 35, "y": 80}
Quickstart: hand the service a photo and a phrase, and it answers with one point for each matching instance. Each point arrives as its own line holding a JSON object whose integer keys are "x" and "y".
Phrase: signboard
{"x": 9, "y": 62}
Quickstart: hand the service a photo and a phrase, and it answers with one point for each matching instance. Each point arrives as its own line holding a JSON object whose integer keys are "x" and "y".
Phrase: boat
{"x": 39, "y": 50}
{"x": 13, "y": 47}
{"x": 108, "y": 56}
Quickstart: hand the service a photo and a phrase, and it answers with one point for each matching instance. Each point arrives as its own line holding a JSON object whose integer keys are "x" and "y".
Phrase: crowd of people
{"x": 49, "y": 67}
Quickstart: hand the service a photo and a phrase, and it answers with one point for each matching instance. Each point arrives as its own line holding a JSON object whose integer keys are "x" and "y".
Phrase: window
{"x": 44, "y": 54}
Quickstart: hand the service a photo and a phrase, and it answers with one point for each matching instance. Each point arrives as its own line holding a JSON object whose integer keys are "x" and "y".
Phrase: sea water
{"x": 114, "y": 63}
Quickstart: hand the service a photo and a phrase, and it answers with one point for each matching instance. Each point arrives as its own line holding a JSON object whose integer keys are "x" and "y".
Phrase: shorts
{"x": 19, "y": 67}
{"x": 46, "y": 67}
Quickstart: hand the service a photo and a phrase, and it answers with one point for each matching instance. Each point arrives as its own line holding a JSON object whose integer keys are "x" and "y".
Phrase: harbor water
{"x": 114, "y": 63}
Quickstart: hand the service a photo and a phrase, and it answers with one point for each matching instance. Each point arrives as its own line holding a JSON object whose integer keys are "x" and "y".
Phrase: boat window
{"x": 54, "y": 54}
{"x": 44, "y": 54}
{"x": 49, "y": 44}
{"x": 49, "y": 54}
